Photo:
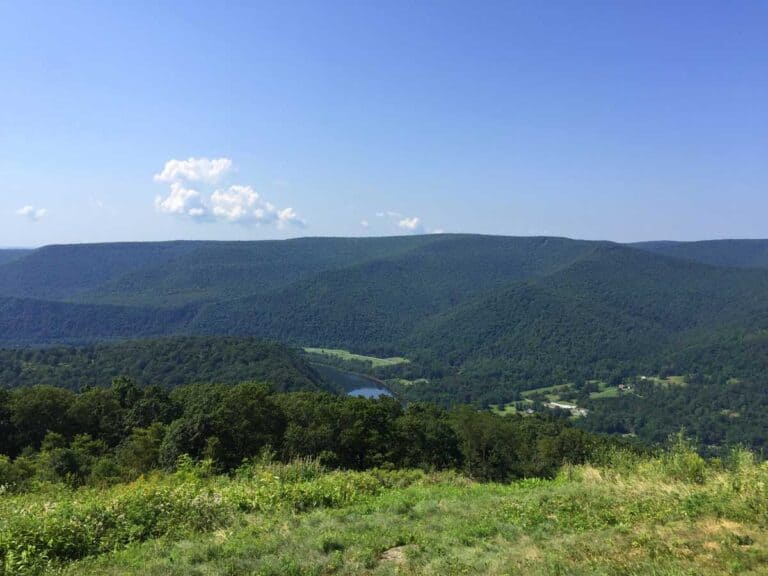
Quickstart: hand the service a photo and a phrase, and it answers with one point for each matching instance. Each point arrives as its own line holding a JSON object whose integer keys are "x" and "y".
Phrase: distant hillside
{"x": 483, "y": 317}
{"x": 376, "y": 304}
{"x": 166, "y": 362}
{"x": 9, "y": 254}
{"x": 60, "y": 272}
{"x": 616, "y": 309}
{"x": 29, "y": 322}
{"x": 731, "y": 253}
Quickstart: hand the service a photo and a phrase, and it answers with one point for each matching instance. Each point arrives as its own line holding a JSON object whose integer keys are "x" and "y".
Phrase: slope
{"x": 10, "y": 254}
{"x": 35, "y": 322}
{"x": 374, "y": 305}
{"x": 60, "y": 272}
{"x": 167, "y": 362}
{"x": 731, "y": 253}
{"x": 617, "y": 309}
{"x": 228, "y": 270}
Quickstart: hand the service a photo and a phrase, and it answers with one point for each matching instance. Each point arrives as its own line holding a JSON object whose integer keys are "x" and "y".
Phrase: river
{"x": 353, "y": 384}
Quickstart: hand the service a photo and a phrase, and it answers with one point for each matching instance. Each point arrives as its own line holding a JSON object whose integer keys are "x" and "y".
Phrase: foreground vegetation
{"x": 106, "y": 435}
{"x": 673, "y": 514}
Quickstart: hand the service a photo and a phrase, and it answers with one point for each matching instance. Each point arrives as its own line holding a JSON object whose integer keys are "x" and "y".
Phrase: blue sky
{"x": 616, "y": 120}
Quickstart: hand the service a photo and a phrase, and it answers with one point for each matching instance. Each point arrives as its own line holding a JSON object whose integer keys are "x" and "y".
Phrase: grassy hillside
{"x": 166, "y": 362}
{"x": 672, "y": 515}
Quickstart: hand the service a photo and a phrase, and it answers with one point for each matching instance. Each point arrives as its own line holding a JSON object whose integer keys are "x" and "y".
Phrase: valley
{"x": 445, "y": 318}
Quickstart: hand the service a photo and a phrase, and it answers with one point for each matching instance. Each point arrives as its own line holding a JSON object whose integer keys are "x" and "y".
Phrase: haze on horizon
{"x": 143, "y": 121}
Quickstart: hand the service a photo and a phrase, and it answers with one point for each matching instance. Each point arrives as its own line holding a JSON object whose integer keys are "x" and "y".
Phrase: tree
{"x": 37, "y": 410}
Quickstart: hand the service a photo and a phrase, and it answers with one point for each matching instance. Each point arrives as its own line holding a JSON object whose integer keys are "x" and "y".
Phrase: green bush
{"x": 682, "y": 462}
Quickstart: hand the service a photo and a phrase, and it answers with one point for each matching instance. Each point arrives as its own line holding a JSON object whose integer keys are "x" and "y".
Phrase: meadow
{"x": 672, "y": 514}
{"x": 347, "y": 356}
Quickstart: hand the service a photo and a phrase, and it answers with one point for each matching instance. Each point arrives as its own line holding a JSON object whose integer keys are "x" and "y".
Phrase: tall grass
{"x": 631, "y": 502}
{"x": 57, "y": 525}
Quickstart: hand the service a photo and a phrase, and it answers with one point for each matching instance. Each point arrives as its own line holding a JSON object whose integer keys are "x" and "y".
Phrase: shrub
{"x": 682, "y": 462}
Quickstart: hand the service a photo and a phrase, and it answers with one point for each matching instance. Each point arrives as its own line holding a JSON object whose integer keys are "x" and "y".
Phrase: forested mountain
{"x": 482, "y": 317}
{"x": 376, "y": 304}
{"x": 731, "y": 253}
{"x": 29, "y": 321}
{"x": 9, "y": 254}
{"x": 60, "y": 272}
{"x": 166, "y": 362}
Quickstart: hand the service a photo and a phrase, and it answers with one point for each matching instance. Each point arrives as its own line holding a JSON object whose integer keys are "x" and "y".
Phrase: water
{"x": 352, "y": 384}
{"x": 369, "y": 392}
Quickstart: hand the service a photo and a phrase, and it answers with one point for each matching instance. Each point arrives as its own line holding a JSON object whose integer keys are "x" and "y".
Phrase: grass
{"x": 551, "y": 392}
{"x": 348, "y": 356}
{"x": 406, "y": 382}
{"x": 504, "y": 409}
{"x": 668, "y": 381}
{"x": 672, "y": 515}
{"x": 605, "y": 391}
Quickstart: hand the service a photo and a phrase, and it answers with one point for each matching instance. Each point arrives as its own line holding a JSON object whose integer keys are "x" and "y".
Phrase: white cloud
{"x": 236, "y": 203}
{"x": 413, "y": 224}
{"x": 410, "y": 224}
{"x": 182, "y": 201}
{"x": 31, "y": 212}
{"x": 364, "y": 223}
{"x": 288, "y": 216}
{"x": 389, "y": 214}
{"x": 194, "y": 170}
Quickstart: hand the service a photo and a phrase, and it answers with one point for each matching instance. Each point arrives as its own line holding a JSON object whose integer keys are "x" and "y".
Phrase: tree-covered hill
{"x": 226, "y": 270}
{"x": 483, "y": 317}
{"x": 165, "y": 362}
{"x": 730, "y": 253}
{"x": 61, "y": 272}
{"x": 9, "y": 254}
{"x": 378, "y": 303}
{"x": 29, "y": 321}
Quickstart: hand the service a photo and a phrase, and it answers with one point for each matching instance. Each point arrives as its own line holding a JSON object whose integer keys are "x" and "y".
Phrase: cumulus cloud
{"x": 238, "y": 203}
{"x": 412, "y": 224}
{"x": 288, "y": 216}
{"x": 365, "y": 223}
{"x": 409, "y": 224}
{"x": 181, "y": 200}
{"x": 235, "y": 203}
{"x": 31, "y": 212}
{"x": 194, "y": 170}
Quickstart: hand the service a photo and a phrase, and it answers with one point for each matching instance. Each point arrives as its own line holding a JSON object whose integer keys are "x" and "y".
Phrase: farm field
{"x": 347, "y": 356}
{"x": 674, "y": 514}
{"x": 558, "y": 393}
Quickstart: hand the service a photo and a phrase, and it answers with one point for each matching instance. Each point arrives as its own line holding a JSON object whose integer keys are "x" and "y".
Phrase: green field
{"x": 607, "y": 392}
{"x": 406, "y": 382}
{"x": 347, "y": 356}
{"x": 667, "y": 381}
{"x": 672, "y": 515}
{"x": 504, "y": 409}
{"x": 551, "y": 392}
{"x": 556, "y": 393}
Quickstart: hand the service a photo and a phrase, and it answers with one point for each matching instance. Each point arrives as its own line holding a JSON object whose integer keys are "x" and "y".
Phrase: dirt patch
{"x": 396, "y": 555}
{"x": 716, "y": 525}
